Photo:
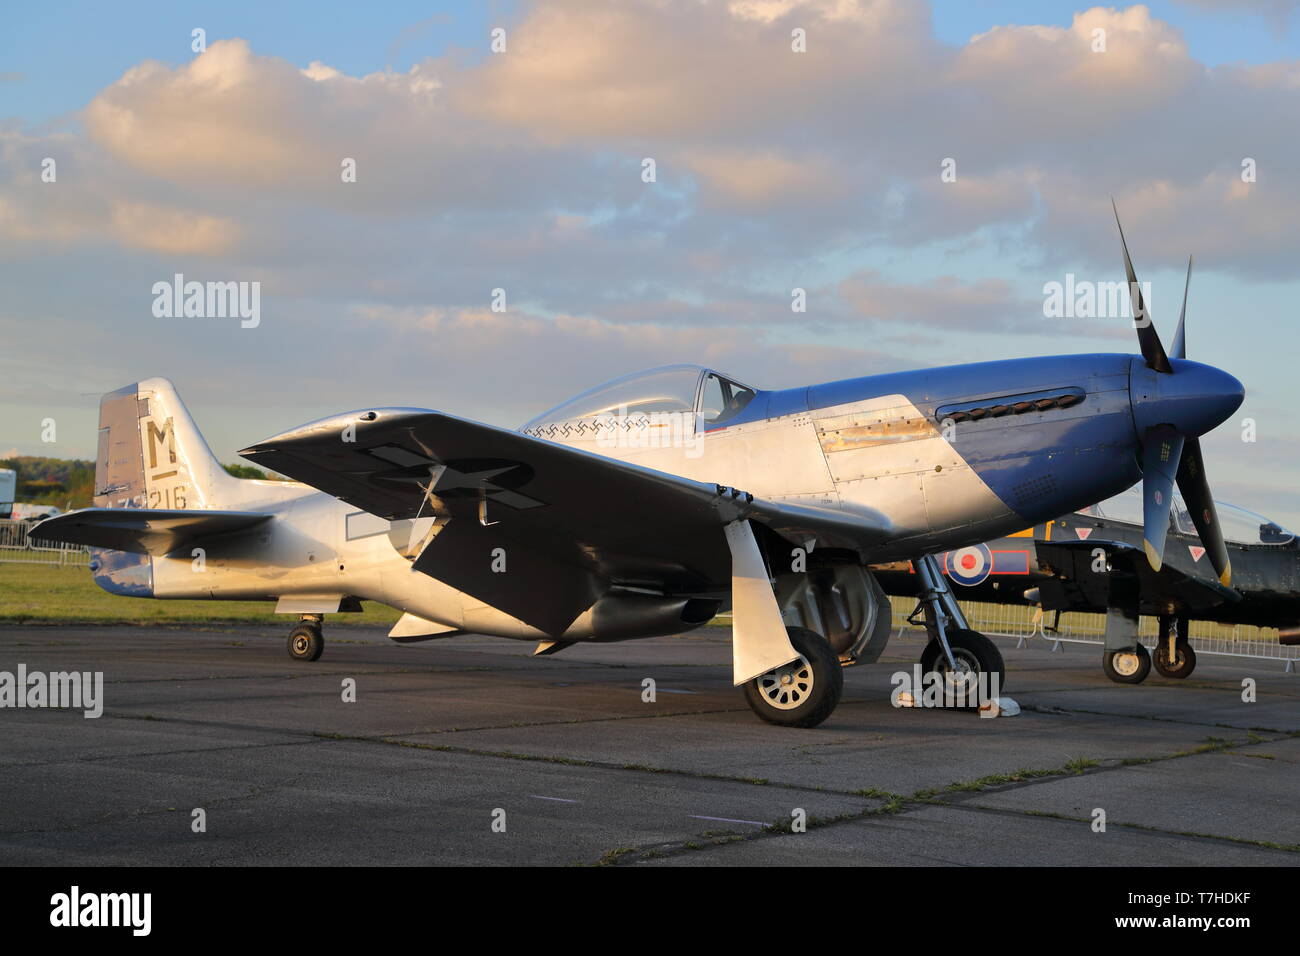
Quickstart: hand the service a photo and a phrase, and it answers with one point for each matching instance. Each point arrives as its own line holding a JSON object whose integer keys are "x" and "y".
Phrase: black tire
{"x": 306, "y": 642}
{"x": 815, "y": 685}
{"x": 972, "y": 650}
{"x": 1125, "y": 671}
{"x": 1181, "y": 666}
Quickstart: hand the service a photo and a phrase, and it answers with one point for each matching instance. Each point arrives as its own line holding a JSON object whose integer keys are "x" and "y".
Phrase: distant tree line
{"x": 63, "y": 482}
{"x": 248, "y": 471}
{"x": 69, "y": 483}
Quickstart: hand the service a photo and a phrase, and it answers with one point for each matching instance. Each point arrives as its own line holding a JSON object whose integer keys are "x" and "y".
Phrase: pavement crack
{"x": 1145, "y": 827}
{"x": 570, "y": 761}
{"x": 1057, "y": 711}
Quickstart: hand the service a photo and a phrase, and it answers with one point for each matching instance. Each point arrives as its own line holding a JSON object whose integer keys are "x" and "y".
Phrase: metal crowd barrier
{"x": 1027, "y": 622}
{"x": 17, "y": 547}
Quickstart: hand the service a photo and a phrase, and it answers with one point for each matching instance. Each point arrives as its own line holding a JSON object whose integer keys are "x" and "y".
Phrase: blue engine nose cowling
{"x": 1195, "y": 399}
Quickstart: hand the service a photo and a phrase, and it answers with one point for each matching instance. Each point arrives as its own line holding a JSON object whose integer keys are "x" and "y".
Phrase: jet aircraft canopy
{"x": 1238, "y": 525}
{"x": 673, "y": 389}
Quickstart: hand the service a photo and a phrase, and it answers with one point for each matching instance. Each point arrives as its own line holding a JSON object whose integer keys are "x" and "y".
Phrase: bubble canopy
{"x": 680, "y": 389}
{"x": 1239, "y": 525}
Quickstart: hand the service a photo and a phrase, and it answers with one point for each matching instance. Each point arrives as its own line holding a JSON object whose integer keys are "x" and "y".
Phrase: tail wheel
{"x": 804, "y": 692}
{"x": 1127, "y": 666}
{"x": 973, "y": 653}
{"x": 1183, "y": 663}
{"x": 306, "y": 642}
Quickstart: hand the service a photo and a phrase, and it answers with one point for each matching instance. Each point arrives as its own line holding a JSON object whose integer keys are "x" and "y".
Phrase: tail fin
{"x": 151, "y": 454}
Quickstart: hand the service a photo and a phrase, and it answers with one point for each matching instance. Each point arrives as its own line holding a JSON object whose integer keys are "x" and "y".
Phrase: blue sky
{"x": 522, "y": 171}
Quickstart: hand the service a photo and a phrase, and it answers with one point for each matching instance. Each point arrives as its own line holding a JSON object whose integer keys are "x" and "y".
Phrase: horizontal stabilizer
{"x": 152, "y": 531}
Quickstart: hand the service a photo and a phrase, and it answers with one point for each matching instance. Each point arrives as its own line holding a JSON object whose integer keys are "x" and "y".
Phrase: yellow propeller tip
{"x": 1226, "y": 577}
{"x": 1153, "y": 557}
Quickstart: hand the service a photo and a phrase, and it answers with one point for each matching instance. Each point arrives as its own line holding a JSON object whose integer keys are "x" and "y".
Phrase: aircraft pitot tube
{"x": 1175, "y": 401}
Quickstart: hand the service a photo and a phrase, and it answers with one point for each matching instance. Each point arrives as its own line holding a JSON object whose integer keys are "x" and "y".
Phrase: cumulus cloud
{"x": 233, "y": 123}
{"x": 711, "y": 72}
{"x": 761, "y": 151}
{"x": 82, "y": 205}
{"x": 251, "y": 120}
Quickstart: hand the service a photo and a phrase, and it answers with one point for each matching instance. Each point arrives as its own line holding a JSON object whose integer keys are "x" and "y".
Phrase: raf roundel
{"x": 969, "y": 566}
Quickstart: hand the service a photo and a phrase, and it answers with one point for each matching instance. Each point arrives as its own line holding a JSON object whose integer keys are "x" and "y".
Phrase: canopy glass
{"x": 1239, "y": 525}
{"x": 688, "y": 389}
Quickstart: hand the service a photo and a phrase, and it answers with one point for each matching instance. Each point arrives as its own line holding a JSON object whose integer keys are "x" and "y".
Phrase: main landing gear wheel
{"x": 1181, "y": 666}
{"x": 974, "y": 654}
{"x": 306, "y": 642}
{"x": 1127, "y": 666}
{"x": 804, "y": 692}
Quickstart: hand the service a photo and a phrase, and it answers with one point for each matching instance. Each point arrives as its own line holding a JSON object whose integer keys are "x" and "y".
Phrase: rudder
{"x": 152, "y": 455}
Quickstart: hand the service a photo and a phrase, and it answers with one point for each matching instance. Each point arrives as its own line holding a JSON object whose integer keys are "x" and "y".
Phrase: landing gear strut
{"x": 1174, "y": 656}
{"x": 955, "y": 651}
{"x": 306, "y": 641}
{"x": 804, "y": 692}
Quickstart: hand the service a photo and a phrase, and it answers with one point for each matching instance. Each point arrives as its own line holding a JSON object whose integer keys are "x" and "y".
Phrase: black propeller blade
{"x": 1196, "y": 495}
{"x": 1180, "y": 342}
{"x": 1148, "y": 339}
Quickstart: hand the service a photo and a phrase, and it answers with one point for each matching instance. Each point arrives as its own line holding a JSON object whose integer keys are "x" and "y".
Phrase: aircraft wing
{"x": 153, "y": 531}
{"x": 1079, "y": 586}
{"x": 568, "y": 522}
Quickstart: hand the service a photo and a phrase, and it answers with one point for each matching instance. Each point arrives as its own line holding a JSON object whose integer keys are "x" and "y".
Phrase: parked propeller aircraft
{"x": 646, "y": 505}
{"x": 1087, "y": 560}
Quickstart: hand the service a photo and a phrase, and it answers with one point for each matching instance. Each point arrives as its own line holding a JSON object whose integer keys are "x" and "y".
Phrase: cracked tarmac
{"x": 442, "y": 734}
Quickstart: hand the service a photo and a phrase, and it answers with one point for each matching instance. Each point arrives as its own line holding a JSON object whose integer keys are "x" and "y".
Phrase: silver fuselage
{"x": 883, "y": 454}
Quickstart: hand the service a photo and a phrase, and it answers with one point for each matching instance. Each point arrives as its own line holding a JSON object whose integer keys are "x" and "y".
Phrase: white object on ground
{"x": 999, "y": 707}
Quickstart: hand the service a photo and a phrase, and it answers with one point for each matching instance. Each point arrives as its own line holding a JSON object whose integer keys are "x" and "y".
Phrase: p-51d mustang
{"x": 1092, "y": 561}
{"x": 644, "y": 506}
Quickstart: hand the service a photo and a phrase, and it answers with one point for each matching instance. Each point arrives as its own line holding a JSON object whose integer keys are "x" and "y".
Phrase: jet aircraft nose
{"x": 1195, "y": 399}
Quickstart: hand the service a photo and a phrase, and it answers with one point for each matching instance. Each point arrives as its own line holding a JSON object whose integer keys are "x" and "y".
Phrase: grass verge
{"x": 47, "y": 594}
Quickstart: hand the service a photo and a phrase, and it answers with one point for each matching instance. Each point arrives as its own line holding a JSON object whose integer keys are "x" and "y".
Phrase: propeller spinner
{"x": 1174, "y": 403}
